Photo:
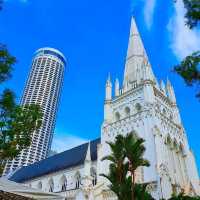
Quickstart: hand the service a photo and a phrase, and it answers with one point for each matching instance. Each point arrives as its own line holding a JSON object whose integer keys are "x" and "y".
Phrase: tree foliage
{"x": 120, "y": 182}
{"x": 189, "y": 69}
{"x": 6, "y": 63}
{"x": 134, "y": 151}
{"x": 126, "y": 156}
{"x": 16, "y": 125}
{"x": 192, "y": 12}
{"x": 17, "y": 122}
{"x": 182, "y": 196}
{"x": 141, "y": 192}
{"x": 118, "y": 170}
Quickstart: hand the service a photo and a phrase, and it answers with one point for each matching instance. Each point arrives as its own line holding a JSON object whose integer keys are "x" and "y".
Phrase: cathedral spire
{"x": 136, "y": 59}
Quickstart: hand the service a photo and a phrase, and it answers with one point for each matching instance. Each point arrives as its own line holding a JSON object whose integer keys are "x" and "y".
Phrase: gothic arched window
{"x": 63, "y": 183}
{"x": 51, "y": 185}
{"x": 39, "y": 185}
{"x": 164, "y": 111}
{"x": 78, "y": 180}
{"x": 117, "y": 116}
{"x": 127, "y": 111}
{"x": 138, "y": 107}
{"x": 175, "y": 146}
{"x": 94, "y": 176}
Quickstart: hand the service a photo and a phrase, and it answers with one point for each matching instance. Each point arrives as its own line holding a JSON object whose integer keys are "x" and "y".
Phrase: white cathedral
{"x": 141, "y": 105}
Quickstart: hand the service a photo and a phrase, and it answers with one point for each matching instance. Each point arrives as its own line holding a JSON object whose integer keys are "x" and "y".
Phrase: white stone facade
{"x": 148, "y": 108}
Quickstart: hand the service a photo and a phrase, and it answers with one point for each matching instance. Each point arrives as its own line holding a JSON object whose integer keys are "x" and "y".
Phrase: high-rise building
{"x": 43, "y": 87}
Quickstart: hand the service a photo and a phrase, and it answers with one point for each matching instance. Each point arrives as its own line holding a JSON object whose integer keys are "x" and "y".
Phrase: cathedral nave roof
{"x": 70, "y": 158}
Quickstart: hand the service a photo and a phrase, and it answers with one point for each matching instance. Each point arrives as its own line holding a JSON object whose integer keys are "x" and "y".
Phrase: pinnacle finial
{"x": 168, "y": 82}
{"x": 108, "y": 82}
{"x": 170, "y": 92}
{"x": 108, "y": 88}
{"x": 88, "y": 154}
{"x": 109, "y": 78}
{"x": 117, "y": 87}
{"x": 162, "y": 86}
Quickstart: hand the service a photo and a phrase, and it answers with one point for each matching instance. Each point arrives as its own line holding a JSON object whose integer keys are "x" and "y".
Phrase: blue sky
{"x": 93, "y": 35}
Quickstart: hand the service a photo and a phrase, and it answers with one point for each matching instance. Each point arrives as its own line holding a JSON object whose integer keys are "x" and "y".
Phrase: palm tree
{"x": 117, "y": 155}
{"x": 118, "y": 169}
{"x": 120, "y": 183}
{"x": 141, "y": 192}
{"x": 134, "y": 150}
{"x": 126, "y": 156}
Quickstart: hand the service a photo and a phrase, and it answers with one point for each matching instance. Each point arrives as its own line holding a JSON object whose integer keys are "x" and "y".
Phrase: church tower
{"x": 148, "y": 108}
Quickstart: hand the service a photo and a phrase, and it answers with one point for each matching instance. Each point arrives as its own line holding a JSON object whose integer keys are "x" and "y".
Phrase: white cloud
{"x": 149, "y": 8}
{"x": 183, "y": 40}
{"x": 64, "y": 142}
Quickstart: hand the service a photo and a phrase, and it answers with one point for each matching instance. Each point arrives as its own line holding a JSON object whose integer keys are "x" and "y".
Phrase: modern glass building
{"x": 43, "y": 87}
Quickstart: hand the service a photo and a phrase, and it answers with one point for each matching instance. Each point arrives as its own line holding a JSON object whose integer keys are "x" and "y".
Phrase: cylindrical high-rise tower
{"x": 43, "y": 87}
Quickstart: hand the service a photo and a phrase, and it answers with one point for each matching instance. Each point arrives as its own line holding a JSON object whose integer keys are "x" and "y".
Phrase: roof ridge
{"x": 76, "y": 147}
{"x": 90, "y": 141}
{"x": 51, "y": 157}
{"x": 72, "y": 157}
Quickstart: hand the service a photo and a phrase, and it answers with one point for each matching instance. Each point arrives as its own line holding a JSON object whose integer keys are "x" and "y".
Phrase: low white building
{"x": 141, "y": 105}
{"x": 10, "y": 190}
